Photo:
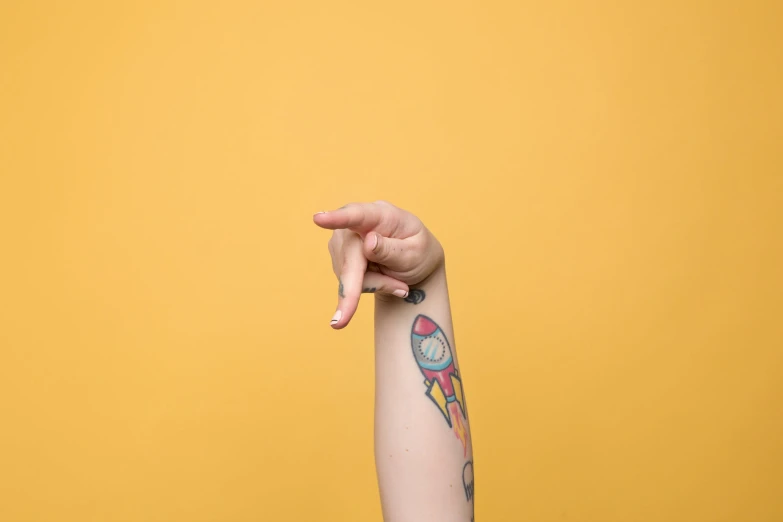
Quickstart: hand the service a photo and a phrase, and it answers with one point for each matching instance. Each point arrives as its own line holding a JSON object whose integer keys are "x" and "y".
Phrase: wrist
{"x": 437, "y": 275}
{"x": 434, "y": 280}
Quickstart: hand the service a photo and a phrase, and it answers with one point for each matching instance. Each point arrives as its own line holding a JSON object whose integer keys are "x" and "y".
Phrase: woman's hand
{"x": 377, "y": 248}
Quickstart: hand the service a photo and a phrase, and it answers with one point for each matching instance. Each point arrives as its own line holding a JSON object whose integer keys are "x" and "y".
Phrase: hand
{"x": 377, "y": 247}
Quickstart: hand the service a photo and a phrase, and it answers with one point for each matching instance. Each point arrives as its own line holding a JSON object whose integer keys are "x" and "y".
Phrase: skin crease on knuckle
{"x": 338, "y": 262}
{"x": 345, "y": 266}
{"x": 335, "y": 242}
{"x": 362, "y": 214}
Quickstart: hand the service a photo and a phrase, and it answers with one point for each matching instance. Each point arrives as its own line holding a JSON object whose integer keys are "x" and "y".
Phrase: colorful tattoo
{"x": 415, "y": 296}
{"x": 433, "y": 354}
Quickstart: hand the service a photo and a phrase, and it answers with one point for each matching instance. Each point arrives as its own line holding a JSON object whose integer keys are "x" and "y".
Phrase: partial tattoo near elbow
{"x": 468, "y": 484}
{"x": 467, "y": 480}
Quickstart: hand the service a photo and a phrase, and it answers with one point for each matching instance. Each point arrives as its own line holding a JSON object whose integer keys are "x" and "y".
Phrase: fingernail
{"x": 373, "y": 241}
{"x": 400, "y": 293}
{"x": 336, "y": 317}
{"x": 321, "y": 212}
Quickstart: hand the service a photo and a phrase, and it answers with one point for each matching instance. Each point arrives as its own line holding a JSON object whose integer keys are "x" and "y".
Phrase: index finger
{"x": 359, "y": 217}
{"x": 351, "y": 275}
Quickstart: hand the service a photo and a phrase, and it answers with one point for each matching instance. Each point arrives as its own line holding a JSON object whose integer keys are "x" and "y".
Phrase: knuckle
{"x": 350, "y": 206}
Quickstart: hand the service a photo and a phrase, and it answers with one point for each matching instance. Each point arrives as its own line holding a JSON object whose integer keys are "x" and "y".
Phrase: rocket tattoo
{"x": 444, "y": 387}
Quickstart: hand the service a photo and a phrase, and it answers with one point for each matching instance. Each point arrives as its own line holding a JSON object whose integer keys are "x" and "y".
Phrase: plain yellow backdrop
{"x": 606, "y": 178}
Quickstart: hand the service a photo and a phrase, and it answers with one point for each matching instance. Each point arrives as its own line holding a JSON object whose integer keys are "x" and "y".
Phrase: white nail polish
{"x": 336, "y": 317}
{"x": 400, "y": 293}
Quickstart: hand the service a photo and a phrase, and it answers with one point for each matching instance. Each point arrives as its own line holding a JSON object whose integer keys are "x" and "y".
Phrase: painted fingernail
{"x": 336, "y": 317}
{"x": 321, "y": 212}
{"x": 373, "y": 241}
{"x": 400, "y": 293}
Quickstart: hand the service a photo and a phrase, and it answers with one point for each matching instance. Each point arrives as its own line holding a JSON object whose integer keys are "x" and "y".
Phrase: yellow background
{"x": 606, "y": 179}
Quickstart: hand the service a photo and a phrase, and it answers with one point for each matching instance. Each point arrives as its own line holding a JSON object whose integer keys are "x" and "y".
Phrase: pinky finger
{"x": 375, "y": 282}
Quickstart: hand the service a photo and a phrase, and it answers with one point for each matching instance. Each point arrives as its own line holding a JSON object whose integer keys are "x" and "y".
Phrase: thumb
{"x": 387, "y": 251}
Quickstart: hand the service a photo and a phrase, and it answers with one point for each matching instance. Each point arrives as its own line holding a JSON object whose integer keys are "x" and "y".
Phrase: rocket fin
{"x": 456, "y": 382}
{"x": 435, "y": 392}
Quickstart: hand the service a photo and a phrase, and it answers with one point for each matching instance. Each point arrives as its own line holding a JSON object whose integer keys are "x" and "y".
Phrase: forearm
{"x": 422, "y": 438}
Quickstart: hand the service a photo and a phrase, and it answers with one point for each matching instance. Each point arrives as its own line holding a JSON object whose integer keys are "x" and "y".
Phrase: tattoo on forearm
{"x": 369, "y": 290}
{"x": 341, "y": 289}
{"x": 433, "y": 354}
{"x": 468, "y": 483}
{"x": 467, "y": 480}
{"x": 415, "y": 296}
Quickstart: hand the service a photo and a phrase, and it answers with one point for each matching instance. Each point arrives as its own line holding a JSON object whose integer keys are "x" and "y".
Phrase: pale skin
{"x": 422, "y": 438}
